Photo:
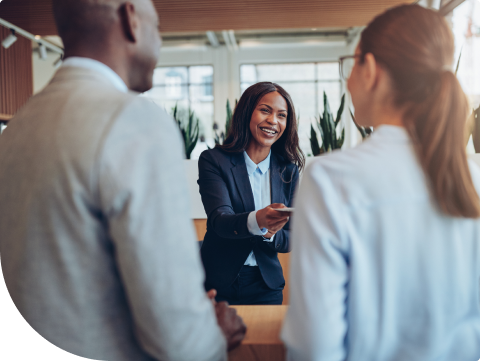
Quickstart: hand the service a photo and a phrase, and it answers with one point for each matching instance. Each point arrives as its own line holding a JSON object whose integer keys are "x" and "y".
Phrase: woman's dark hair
{"x": 416, "y": 47}
{"x": 239, "y": 135}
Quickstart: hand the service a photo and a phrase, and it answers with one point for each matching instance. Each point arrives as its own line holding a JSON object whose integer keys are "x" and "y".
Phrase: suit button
{"x": 277, "y": 246}
{"x": 235, "y": 232}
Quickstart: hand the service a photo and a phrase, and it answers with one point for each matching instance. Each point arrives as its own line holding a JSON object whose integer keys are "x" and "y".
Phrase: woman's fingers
{"x": 276, "y": 226}
{"x": 274, "y": 221}
{"x": 276, "y": 216}
{"x": 268, "y": 216}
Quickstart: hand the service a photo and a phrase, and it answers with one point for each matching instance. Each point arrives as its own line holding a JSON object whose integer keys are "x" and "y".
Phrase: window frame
{"x": 188, "y": 83}
{"x": 316, "y": 81}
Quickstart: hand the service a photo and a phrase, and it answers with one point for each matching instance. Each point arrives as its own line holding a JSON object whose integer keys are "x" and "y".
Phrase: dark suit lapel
{"x": 240, "y": 175}
{"x": 276, "y": 182}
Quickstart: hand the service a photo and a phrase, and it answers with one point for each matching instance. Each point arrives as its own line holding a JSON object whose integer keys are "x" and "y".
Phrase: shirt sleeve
{"x": 315, "y": 326}
{"x": 269, "y": 239}
{"x": 144, "y": 196}
{"x": 253, "y": 227}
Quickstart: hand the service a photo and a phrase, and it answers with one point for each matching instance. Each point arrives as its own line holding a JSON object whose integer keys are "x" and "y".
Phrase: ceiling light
{"x": 226, "y": 39}
{"x": 9, "y": 40}
{"x": 233, "y": 41}
{"x": 42, "y": 51}
{"x": 213, "y": 39}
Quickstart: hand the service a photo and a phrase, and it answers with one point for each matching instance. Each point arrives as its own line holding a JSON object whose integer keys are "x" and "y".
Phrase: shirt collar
{"x": 391, "y": 132}
{"x": 97, "y": 66}
{"x": 263, "y": 166}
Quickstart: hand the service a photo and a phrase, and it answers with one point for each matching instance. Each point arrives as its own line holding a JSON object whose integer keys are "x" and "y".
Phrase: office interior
{"x": 212, "y": 51}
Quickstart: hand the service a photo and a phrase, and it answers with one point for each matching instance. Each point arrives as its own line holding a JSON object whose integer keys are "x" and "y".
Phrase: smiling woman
{"x": 267, "y": 125}
{"x": 241, "y": 182}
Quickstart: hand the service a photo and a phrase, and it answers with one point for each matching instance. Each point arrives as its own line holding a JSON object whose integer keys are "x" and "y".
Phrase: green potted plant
{"x": 327, "y": 125}
{"x": 189, "y": 130}
{"x": 220, "y": 138}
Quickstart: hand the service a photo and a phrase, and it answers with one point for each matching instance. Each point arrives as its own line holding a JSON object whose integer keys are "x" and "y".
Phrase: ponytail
{"x": 438, "y": 128}
{"x": 415, "y": 45}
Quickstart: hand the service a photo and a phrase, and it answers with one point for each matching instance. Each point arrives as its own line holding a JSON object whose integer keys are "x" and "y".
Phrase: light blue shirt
{"x": 377, "y": 272}
{"x": 259, "y": 177}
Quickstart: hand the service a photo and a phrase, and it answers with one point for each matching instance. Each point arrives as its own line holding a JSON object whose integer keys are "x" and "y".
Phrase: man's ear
{"x": 130, "y": 21}
{"x": 370, "y": 72}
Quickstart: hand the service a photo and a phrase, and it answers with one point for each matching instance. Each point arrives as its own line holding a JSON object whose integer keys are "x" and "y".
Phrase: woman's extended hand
{"x": 269, "y": 234}
{"x": 271, "y": 219}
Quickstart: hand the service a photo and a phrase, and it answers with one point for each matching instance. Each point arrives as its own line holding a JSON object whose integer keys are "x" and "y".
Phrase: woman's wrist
{"x": 260, "y": 218}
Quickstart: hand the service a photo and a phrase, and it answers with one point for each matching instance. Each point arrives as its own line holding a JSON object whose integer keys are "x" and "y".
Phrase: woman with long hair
{"x": 242, "y": 183}
{"x": 386, "y": 236}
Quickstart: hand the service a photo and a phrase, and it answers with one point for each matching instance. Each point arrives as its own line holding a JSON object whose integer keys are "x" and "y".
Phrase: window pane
{"x": 188, "y": 88}
{"x": 303, "y": 97}
{"x": 286, "y": 72}
{"x": 168, "y": 75}
{"x": 244, "y": 86}
{"x": 466, "y": 29}
{"x": 171, "y": 91}
{"x": 328, "y": 71}
{"x": 248, "y": 73}
{"x": 201, "y": 74}
{"x": 204, "y": 111}
{"x": 168, "y": 105}
{"x": 332, "y": 89}
{"x": 201, "y": 93}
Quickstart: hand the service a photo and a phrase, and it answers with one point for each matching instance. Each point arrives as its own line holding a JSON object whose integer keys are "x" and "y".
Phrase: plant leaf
{"x": 458, "y": 61}
{"x": 314, "y": 141}
{"x": 359, "y": 127}
{"x": 332, "y": 132}
{"x": 341, "y": 140}
{"x": 476, "y": 129}
{"x": 340, "y": 110}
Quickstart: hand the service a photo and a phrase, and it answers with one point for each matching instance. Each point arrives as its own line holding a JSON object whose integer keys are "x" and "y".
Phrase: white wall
{"x": 43, "y": 70}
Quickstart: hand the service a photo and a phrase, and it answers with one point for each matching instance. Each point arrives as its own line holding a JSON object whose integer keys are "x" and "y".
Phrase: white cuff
{"x": 269, "y": 239}
{"x": 253, "y": 227}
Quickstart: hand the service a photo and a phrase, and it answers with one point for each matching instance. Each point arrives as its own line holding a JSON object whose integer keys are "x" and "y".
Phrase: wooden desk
{"x": 262, "y": 341}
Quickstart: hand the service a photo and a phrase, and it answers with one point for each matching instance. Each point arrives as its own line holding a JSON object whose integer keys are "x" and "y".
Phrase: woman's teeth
{"x": 268, "y": 131}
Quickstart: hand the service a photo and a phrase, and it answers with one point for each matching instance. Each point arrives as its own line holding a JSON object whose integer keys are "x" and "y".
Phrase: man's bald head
{"x": 112, "y": 31}
{"x": 86, "y": 19}
{"x": 90, "y": 18}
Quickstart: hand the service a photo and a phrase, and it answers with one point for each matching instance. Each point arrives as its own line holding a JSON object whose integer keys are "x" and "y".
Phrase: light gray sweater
{"x": 97, "y": 247}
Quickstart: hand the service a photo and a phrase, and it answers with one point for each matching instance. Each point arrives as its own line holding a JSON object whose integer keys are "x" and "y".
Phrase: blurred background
{"x": 213, "y": 50}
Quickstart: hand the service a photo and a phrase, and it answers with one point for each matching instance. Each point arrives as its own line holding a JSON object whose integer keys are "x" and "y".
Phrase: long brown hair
{"x": 416, "y": 47}
{"x": 239, "y": 135}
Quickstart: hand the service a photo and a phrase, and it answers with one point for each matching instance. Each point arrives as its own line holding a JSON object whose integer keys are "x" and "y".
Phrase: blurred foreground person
{"x": 386, "y": 236}
{"x": 98, "y": 252}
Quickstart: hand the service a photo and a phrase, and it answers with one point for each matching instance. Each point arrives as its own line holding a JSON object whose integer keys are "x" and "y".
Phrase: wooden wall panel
{"x": 201, "y": 15}
{"x": 16, "y": 74}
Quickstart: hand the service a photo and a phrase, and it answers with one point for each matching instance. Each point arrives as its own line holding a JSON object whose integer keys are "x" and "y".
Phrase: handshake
{"x": 230, "y": 323}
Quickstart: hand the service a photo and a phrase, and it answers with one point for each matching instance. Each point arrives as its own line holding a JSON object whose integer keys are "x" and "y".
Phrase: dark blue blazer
{"x": 228, "y": 199}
